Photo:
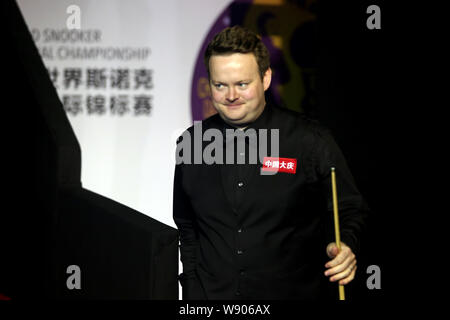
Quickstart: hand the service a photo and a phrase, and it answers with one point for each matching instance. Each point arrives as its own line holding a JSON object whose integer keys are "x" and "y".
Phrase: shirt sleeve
{"x": 352, "y": 208}
{"x": 183, "y": 216}
{"x": 185, "y": 219}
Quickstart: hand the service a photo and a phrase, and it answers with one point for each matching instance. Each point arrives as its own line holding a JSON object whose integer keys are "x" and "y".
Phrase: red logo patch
{"x": 288, "y": 165}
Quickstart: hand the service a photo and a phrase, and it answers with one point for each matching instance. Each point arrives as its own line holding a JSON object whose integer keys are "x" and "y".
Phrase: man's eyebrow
{"x": 236, "y": 82}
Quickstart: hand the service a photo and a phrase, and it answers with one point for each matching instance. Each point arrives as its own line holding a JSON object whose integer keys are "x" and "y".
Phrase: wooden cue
{"x": 336, "y": 223}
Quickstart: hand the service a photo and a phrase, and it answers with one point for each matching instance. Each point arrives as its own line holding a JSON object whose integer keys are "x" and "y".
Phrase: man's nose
{"x": 232, "y": 94}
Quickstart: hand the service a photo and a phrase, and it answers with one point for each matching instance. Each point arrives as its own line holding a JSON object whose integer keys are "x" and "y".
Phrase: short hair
{"x": 238, "y": 39}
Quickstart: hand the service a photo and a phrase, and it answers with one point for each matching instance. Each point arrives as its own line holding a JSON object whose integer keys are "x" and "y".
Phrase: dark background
{"x": 359, "y": 87}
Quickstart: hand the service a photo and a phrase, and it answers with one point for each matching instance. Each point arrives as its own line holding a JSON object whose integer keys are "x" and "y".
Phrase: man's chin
{"x": 232, "y": 117}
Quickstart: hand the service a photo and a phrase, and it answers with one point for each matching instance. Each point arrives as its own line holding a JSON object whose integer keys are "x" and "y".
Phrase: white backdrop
{"x": 127, "y": 157}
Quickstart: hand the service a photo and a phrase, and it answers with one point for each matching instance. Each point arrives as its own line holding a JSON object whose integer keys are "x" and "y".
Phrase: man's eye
{"x": 243, "y": 84}
{"x": 218, "y": 85}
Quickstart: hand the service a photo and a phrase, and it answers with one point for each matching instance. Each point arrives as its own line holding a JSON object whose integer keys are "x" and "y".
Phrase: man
{"x": 246, "y": 233}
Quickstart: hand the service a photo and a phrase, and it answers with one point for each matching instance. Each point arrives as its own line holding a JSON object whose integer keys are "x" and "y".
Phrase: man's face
{"x": 236, "y": 87}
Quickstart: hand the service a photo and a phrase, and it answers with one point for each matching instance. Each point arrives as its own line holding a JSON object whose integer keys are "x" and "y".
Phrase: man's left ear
{"x": 267, "y": 79}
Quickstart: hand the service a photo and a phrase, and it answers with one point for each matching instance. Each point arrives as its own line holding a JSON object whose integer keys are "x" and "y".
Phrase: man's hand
{"x": 343, "y": 267}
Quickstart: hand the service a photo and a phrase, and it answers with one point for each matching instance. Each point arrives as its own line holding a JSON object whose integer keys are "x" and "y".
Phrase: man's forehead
{"x": 239, "y": 64}
{"x": 237, "y": 56}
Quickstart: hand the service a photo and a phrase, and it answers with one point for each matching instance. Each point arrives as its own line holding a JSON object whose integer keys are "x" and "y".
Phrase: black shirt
{"x": 247, "y": 235}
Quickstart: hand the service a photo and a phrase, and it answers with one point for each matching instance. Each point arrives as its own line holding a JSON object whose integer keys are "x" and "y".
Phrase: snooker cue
{"x": 336, "y": 223}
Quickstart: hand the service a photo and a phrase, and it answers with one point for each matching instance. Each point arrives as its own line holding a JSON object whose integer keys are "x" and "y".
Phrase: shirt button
{"x": 237, "y": 293}
{"x": 240, "y": 230}
{"x": 242, "y": 273}
{"x": 240, "y": 184}
{"x": 241, "y": 154}
{"x": 240, "y": 252}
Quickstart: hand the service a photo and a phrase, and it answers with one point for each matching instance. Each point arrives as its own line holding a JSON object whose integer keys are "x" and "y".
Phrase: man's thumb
{"x": 332, "y": 250}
